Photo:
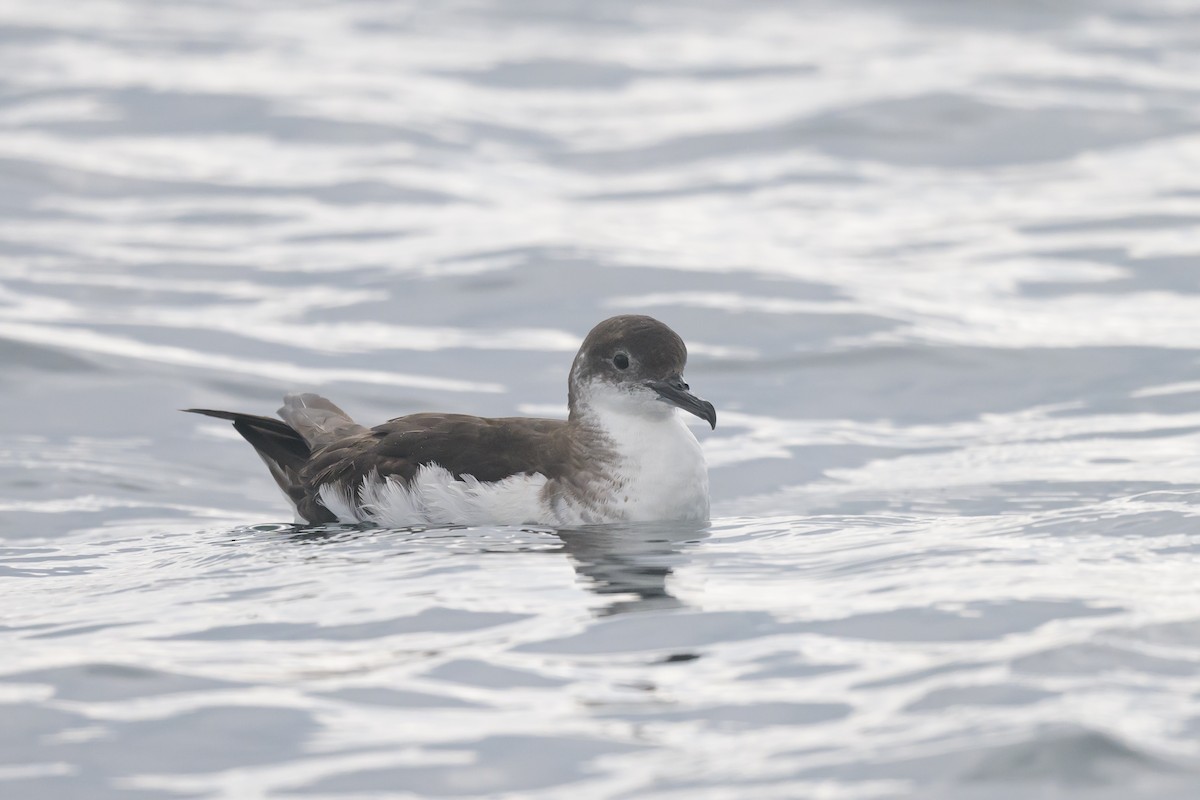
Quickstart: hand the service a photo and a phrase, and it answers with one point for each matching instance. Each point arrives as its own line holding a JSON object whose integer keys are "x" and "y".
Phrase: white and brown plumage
{"x": 622, "y": 454}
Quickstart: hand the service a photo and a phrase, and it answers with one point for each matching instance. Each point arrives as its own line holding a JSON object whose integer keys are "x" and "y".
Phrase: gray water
{"x": 939, "y": 267}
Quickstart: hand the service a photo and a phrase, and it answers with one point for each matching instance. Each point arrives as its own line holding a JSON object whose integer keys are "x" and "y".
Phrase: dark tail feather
{"x": 283, "y": 451}
{"x": 274, "y": 440}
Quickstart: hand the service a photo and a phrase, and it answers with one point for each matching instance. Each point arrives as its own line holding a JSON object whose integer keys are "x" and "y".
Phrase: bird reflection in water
{"x": 629, "y": 565}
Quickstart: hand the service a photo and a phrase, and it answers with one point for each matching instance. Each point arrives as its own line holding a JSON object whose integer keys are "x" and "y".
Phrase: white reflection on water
{"x": 936, "y": 265}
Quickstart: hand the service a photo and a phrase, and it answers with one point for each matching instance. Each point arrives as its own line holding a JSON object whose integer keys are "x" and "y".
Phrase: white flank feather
{"x": 337, "y": 500}
{"x": 435, "y": 497}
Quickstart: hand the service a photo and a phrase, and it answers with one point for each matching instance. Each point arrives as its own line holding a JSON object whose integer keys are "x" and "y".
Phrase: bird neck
{"x": 626, "y": 432}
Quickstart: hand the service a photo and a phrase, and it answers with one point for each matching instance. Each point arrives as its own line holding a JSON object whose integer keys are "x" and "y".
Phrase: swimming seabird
{"x": 622, "y": 455}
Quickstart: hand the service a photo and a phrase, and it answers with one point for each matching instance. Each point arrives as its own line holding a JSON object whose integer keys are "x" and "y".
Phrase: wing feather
{"x": 486, "y": 449}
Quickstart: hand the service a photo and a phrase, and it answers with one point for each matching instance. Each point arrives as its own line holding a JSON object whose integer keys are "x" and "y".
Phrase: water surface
{"x": 937, "y": 266}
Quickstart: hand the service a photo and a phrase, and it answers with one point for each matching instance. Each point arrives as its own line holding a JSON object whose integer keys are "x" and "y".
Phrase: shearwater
{"x": 622, "y": 455}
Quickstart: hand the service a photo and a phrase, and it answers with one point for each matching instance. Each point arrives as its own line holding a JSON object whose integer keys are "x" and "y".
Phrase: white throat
{"x": 658, "y": 469}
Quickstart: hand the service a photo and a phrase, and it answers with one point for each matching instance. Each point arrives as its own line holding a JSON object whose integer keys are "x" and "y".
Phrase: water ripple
{"x": 936, "y": 267}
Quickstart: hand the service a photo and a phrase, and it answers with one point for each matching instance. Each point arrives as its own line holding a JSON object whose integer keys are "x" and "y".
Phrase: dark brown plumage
{"x": 489, "y": 449}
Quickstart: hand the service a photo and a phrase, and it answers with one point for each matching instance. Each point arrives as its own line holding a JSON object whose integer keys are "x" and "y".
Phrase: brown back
{"x": 490, "y": 449}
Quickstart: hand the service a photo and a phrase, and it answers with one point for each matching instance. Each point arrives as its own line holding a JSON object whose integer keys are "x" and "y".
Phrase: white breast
{"x": 660, "y": 471}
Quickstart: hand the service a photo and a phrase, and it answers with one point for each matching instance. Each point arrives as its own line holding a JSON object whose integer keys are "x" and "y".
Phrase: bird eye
{"x": 621, "y": 361}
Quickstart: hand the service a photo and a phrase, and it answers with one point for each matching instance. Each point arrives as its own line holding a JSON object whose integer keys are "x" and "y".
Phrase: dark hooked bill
{"x": 675, "y": 392}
